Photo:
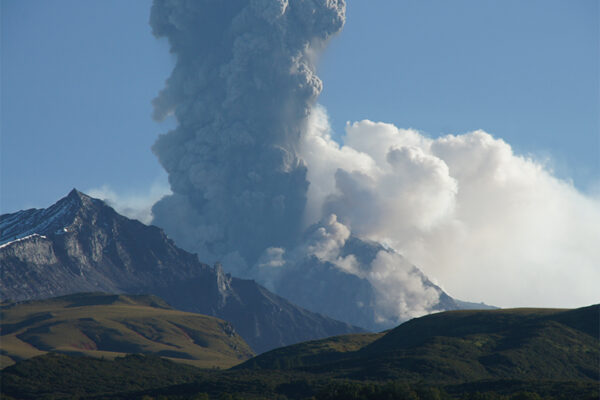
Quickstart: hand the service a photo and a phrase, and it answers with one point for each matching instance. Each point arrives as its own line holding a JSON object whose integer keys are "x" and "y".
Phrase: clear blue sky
{"x": 78, "y": 77}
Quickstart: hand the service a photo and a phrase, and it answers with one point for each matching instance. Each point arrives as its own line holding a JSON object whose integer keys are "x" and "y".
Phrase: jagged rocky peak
{"x": 78, "y": 198}
{"x": 42, "y": 221}
{"x": 75, "y": 209}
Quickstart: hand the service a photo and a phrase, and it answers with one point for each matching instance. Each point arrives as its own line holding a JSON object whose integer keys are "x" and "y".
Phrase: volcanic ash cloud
{"x": 259, "y": 184}
{"x": 241, "y": 92}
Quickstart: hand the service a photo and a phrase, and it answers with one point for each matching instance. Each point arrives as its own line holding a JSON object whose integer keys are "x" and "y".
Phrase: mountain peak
{"x": 80, "y": 198}
{"x": 52, "y": 220}
{"x": 75, "y": 194}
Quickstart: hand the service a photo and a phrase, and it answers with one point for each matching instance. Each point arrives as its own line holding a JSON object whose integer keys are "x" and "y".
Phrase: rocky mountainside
{"x": 81, "y": 244}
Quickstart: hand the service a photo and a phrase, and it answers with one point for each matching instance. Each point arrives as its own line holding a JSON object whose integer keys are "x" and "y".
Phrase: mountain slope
{"x": 81, "y": 244}
{"x": 311, "y": 353}
{"x": 347, "y": 296}
{"x": 461, "y": 346}
{"x": 352, "y": 279}
{"x": 99, "y": 324}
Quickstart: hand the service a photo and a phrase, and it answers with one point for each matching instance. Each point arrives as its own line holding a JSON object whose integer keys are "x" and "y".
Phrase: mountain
{"x": 105, "y": 325}
{"x": 351, "y": 296}
{"x": 459, "y": 346}
{"x": 80, "y": 244}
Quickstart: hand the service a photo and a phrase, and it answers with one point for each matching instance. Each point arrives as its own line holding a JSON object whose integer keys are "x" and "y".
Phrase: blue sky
{"x": 78, "y": 78}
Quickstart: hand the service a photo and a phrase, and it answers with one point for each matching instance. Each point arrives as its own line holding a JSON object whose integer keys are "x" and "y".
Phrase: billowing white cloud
{"x": 400, "y": 289}
{"x": 135, "y": 205}
{"x": 390, "y": 271}
{"x": 484, "y": 222}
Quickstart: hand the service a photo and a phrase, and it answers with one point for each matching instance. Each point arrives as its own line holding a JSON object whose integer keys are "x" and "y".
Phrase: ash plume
{"x": 241, "y": 92}
{"x": 258, "y": 183}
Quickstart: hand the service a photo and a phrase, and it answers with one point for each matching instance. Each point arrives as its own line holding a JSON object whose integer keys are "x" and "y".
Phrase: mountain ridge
{"x": 81, "y": 244}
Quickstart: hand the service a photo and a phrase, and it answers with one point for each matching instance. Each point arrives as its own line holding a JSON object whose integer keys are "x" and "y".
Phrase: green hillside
{"x": 60, "y": 376}
{"x": 461, "y": 346}
{"x": 107, "y": 326}
{"x": 313, "y": 353}
{"x": 493, "y": 344}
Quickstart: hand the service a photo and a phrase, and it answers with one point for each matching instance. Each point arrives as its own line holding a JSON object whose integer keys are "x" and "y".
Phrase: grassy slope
{"x": 460, "y": 346}
{"x": 543, "y": 344}
{"x": 107, "y": 326}
{"x": 311, "y": 353}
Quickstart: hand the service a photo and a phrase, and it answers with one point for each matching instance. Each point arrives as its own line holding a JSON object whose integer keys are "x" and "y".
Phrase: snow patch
{"x": 22, "y": 239}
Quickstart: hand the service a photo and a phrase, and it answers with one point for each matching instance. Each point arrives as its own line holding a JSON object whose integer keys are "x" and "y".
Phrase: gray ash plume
{"x": 241, "y": 92}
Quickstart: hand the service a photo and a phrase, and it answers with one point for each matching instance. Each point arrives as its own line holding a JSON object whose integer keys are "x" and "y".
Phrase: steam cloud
{"x": 134, "y": 205}
{"x": 486, "y": 223}
{"x": 258, "y": 182}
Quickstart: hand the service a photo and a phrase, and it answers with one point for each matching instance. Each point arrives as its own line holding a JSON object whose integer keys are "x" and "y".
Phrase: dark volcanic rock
{"x": 81, "y": 244}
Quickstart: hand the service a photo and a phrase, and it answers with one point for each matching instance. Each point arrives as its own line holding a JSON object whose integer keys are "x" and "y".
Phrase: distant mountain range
{"x": 80, "y": 244}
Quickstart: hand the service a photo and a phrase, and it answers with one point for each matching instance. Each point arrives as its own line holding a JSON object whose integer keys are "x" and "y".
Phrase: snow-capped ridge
{"x": 45, "y": 221}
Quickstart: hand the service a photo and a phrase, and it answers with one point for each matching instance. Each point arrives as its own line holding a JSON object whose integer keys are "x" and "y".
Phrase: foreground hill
{"x": 459, "y": 346}
{"x": 80, "y": 244}
{"x": 59, "y": 376}
{"x": 521, "y": 354}
{"x": 107, "y": 326}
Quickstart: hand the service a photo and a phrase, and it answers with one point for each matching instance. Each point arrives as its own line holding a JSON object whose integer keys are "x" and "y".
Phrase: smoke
{"x": 486, "y": 223}
{"x": 400, "y": 290}
{"x": 241, "y": 92}
{"x": 135, "y": 205}
{"x": 259, "y": 184}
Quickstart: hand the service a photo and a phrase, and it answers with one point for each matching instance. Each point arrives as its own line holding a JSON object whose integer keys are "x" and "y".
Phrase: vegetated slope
{"x": 59, "y": 376}
{"x": 103, "y": 325}
{"x": 463, "y": 346}
{"x": 80, "y": 244}
{"x": 312, "y": 353}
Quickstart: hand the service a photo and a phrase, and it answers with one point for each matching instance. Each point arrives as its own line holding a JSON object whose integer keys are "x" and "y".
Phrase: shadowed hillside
{"x": 458, "y": 346}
